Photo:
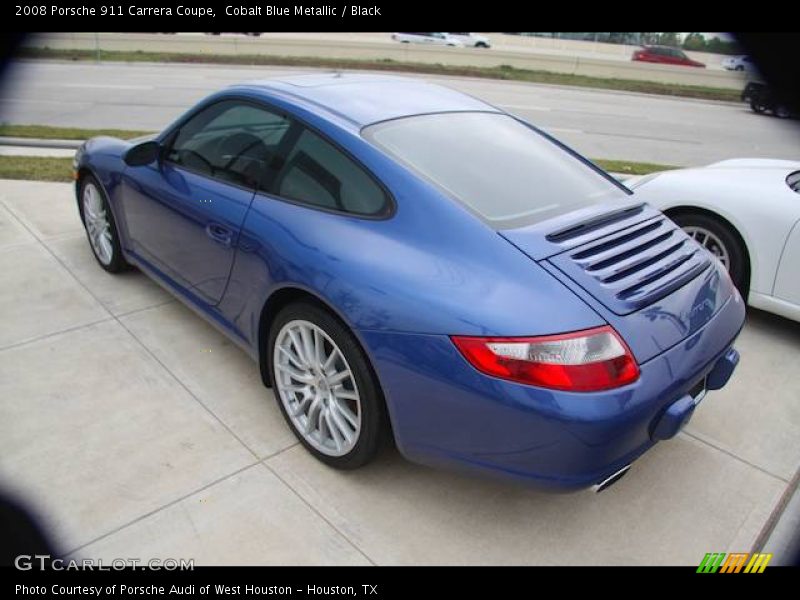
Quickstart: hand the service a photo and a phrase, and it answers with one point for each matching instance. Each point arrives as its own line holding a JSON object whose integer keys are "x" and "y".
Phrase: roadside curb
{"x": 41, "y": 143}
{"x": 779, "y": 535}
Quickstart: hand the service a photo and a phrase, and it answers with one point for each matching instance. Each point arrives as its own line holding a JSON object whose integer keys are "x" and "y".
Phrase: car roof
{"x": 364, "y": 99}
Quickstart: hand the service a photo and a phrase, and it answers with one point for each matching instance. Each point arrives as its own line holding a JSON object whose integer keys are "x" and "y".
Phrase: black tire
{"x": 739, "y": 68}
{"x": 118, "y": 262}
{"x": 481, "y": 45}
{"x": 781, "y": 112}
{"x": 737, "y": 268}
{"x": 374, "y": 422}
{"x": 757, "y": 106}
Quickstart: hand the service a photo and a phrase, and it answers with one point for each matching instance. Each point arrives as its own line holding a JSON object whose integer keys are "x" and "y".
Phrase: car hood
{"x": 728, "y": 175}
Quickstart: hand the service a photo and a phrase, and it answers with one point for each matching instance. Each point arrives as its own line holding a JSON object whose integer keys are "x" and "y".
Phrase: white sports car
{"x": 747, "y": 213}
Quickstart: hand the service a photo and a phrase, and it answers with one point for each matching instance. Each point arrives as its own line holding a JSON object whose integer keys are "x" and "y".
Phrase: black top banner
{"x": 247, "y": 15}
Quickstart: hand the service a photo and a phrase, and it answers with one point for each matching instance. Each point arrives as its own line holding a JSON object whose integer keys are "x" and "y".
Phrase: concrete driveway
{"x": 136, "y": 430}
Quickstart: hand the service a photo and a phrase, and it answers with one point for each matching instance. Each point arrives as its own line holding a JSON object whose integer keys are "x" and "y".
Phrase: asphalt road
{"x": 599, "y": 124}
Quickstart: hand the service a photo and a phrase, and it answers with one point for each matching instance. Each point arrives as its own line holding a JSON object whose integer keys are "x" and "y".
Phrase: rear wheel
{"x": 325, "y": 387}
{"x": 781, "y": 112}
{"x": 720, "y": 240}
{"x": 101, "y": 229}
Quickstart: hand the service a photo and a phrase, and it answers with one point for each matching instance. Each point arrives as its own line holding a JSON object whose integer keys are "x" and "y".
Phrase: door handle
{"x": 220, "y": 234}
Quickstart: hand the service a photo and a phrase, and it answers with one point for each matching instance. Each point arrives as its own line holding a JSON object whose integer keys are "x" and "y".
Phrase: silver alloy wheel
{"x": 317, "y": 388}
{"x": 97, "y": 224}
{"x": 710, "y": 242}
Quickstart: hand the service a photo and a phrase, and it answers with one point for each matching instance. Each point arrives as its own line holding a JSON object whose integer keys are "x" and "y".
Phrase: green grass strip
{"x": 627, "y": 167}
{"x": 50, "y": 168}
{"x": 64, "y": 133}
{"x": 36, "y": 168}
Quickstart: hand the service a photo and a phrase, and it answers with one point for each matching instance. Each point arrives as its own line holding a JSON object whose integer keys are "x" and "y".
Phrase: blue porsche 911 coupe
{"x": 407, "y": 262}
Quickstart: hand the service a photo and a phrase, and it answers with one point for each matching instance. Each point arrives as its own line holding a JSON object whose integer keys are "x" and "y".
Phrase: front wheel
{"x": 101, "y": 229}
{"x": 325, "y": 387}
{"x": 717, "y": 238}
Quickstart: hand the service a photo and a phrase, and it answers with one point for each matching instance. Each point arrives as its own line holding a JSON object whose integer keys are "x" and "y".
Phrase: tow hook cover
{"x": 674, "y": 418}
{"x": 723, "y": 370}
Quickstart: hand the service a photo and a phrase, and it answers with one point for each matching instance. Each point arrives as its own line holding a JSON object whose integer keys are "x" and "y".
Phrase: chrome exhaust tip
{"x": 610, "y": 480}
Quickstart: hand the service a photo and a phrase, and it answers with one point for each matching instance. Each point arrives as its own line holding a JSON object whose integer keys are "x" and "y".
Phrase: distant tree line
{"x": 696, "y": 42}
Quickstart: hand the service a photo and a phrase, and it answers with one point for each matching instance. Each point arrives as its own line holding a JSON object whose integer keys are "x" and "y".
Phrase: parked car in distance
{"x": 666, "y": 55}
{"x": 401, "y": 259}
{"x": 762, "y": 99}
{"x": 432, "y": 39}
{"x": 747, "y": 213}
{"x": 471, "y": 40}
{"x": 246, "y": 33}
{"x": 738, "y": 63}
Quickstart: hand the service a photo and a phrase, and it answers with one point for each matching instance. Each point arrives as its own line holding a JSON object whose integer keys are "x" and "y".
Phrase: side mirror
{"x": 142, "y": 154}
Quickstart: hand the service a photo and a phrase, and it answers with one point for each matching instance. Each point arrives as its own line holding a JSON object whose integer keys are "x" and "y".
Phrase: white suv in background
{"x": 738, "y": 63}
{"x": 433, "y": 39}
{"x": 471, "y": 39}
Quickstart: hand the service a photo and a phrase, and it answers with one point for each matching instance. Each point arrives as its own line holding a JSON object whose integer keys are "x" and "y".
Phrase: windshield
{"x": 506, "y": 172}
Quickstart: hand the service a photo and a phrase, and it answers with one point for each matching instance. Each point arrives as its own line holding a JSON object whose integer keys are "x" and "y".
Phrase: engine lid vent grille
{"x": 636, "y": 266}
{"x": 584, "y": 227}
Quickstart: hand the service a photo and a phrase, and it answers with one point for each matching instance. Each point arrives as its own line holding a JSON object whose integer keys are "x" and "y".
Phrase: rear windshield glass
{"x": 504, "y": 171}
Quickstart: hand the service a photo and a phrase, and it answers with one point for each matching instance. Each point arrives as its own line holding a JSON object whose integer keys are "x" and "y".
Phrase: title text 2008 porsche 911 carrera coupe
{"x": 405, "y": 261}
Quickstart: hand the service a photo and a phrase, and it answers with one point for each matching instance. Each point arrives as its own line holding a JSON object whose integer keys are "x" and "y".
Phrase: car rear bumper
{"x": 445, "y": 413}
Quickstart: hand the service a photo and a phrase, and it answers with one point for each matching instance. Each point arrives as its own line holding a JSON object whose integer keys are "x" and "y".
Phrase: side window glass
{"x": 318, "y": 174}
{"x": 232, "y": 141}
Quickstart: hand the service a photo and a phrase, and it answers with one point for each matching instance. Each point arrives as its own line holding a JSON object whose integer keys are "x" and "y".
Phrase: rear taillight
{"x": 581, "y": 361}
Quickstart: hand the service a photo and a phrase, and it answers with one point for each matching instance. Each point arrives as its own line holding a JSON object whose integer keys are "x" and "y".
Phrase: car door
{"x": 184, "y": 213}
{"x": 408, "y": 37}
{"x": 670, "y": 56}
{"x": 665, "y": 56}
{"x": 463, "y": 37}
{"x": 681, "y": 58}
{"x": 654, "y": 55}
{"x": 787, "y": 283}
